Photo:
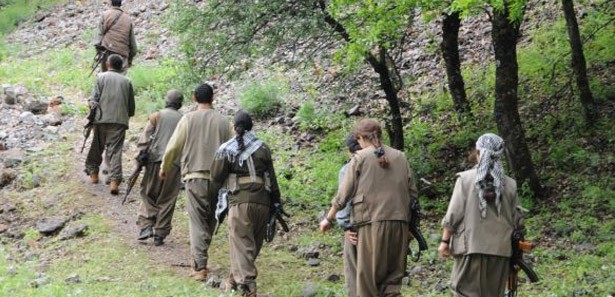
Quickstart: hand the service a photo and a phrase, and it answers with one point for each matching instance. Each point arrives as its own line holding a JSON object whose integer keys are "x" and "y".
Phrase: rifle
{"x": 142, "y": 159}
{"x": 101, "y": 51}
{"x": 517, "y": 263}
{"x": 415, "y": 230}
{"x": 87, "y": 128}
{"x": 277, "y": 215}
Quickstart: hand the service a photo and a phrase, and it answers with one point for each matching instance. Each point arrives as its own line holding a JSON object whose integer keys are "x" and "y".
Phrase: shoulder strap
{"x": 117, "y": 17}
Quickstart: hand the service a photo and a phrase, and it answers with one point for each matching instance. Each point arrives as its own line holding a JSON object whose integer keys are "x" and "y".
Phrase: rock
{"x": 310, "y": 252}
{"x": 3, "y": 228}
{"x": 73, "y": 279}
{"x": 55, "y": 105}
{"x": 333, "y": 277}
{"x": 35, "y": 106}
{"x": 39, "y": 282}
{"x": 27, "y": 117}
{"x": 49, "y": 226}
{"x": 152, "y": 53}
{"x": 6, "y": 177}
{"x": 52, "y": 119}
{"x": 585, "y": 247}
{"x": 10, "y": 97}
{"x": 416, "y": 270}
{"x": 353, "y": 111}
{"x": 309, "y": 290}
{"x": 213, "y": 281}
{"x": 12, "y": 157}
{"x": 73, "y": 232}
{"x": 313, "y": 262}
{"x": 406, "y": 281}
{"x": 11, "y": 271}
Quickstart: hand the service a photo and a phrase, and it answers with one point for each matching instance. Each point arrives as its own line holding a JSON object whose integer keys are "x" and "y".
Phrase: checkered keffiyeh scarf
{"x": 491, "y": 148}
{"x": 230, "y": 149}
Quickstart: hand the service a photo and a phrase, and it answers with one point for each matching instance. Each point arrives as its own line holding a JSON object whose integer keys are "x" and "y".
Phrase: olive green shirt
{"x": 115, "y": 96}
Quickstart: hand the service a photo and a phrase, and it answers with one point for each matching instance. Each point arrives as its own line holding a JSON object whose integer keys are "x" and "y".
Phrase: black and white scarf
{"x": 230, "y": 149}
{"x": 491, "y": 148}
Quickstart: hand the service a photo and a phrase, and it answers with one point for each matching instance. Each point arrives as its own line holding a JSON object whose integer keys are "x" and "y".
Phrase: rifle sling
{"x": 117, "y": 17}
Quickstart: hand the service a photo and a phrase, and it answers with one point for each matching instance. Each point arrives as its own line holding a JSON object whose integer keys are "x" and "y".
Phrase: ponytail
{"x": 383, "y": 161}
{"x": 240, "y": 132}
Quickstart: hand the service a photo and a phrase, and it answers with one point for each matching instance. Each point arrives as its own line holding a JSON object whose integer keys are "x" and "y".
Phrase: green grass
{"x": 262, "y": 98}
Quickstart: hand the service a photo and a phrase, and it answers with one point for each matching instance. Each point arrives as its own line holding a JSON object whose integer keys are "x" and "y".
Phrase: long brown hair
{"x": 370, "y": 130}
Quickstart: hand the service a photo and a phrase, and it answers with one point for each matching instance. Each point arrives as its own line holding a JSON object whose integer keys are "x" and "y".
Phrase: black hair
{"x": 352, "y": 143}
{"x": 242, "y": 123}
{"x": 204, "y": 93}
{"x": 115, "y": 61}
{"x": 116, "y": 3}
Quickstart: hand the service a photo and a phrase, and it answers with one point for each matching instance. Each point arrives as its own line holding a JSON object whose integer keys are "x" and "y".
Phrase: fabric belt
{"x": 244, "y": 180}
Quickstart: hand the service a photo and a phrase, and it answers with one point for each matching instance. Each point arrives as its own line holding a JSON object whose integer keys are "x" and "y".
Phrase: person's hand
{"x": 324, "y": 225}
{"x": 352, "y": 237}
{"x": 92, "y": 104}
{"x": 444, "y": 250}
{"x": 162, "y": 175}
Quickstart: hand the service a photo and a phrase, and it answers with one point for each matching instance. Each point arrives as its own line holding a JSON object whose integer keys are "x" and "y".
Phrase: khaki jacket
{"x": 120, "y": 37}
{"x": 250, "y": 192}
{"x": 377, "y": 194}
{"x": 470, "y": 233}
{"x": 114, "y": 94}
{"x": 195, "y": 140}
{"x": 158, "y": 131}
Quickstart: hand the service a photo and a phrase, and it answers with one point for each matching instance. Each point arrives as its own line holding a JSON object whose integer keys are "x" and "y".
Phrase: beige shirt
{"x": 470, "y": 233}
{"x": 157, "y": 133}
{"x": 377, "y": 194}
{"x": 195, "y": 140}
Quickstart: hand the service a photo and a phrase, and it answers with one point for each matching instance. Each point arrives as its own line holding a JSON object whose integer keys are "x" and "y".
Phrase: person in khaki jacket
{"x": 158, "y": 197}
{"x": 116, "y": 35}
{"x": 114, "y": 101}
{"x": 195, "y": 140}
{"x": 381, "y": 188}
{"x": 478, "y": 225}
{"x": 245, "y": 163}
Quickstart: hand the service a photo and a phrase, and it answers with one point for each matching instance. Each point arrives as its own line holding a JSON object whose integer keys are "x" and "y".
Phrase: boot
{"x": 199, "y": 275}
{"x": 248, "y": 290}
{"x": 115, "y": 187}
{"x": 158, "y": 240}
{"x": 94, "y": 178}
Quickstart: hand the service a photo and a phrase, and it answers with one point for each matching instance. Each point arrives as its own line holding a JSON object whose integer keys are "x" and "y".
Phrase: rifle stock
{"x": 415, "y": 229}
{"x": 142, "y": 159}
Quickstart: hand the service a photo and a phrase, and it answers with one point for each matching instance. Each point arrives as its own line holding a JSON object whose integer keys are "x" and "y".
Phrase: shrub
{"x": 261, "y": 99}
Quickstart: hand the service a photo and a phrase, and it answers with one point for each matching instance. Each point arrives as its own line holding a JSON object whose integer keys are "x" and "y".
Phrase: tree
{"x": 505, "y": 18}
{"x": 358, "y": 31}
{"x": 578, "y": 61}
{"x": 450, "y": 53}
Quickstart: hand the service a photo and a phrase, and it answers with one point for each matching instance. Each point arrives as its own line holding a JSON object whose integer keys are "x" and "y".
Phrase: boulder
{"x": 49, "y": 226}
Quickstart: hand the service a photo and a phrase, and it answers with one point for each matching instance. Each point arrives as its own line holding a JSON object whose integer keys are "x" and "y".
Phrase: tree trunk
{"x": 578, "y": 61}
{"x": 394, "y": 124}
{"x": 506, "y": 112}
{"x": 450, "y": 53}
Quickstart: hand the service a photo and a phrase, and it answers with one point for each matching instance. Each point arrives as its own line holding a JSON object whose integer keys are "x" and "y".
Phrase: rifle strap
{"x": 117, "y": 17}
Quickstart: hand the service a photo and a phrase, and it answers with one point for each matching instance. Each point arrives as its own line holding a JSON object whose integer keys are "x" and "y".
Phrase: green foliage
{"x": 262, "y": 98}
{"x": 513, "y": 8}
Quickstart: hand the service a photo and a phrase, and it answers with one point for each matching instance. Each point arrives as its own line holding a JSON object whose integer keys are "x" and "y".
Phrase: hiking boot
{"x": 199, "y": 275}
{"x": 94, "y": 178}
{"x": 158, "y": 240}
{"x": 145, "y": 233}
{"x": 248, "y": 290}
{"x": 230, "y": 285}
{"x": 115, "y": 187}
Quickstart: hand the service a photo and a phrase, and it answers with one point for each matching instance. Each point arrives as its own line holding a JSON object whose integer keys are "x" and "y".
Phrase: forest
{"x": 435, "y": 74}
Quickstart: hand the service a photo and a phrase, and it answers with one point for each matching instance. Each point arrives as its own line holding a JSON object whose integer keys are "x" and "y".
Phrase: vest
{"x": 166, "y": 123}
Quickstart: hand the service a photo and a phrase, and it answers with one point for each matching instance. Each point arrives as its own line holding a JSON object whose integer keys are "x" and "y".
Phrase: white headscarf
{"x": 491, "y": 148}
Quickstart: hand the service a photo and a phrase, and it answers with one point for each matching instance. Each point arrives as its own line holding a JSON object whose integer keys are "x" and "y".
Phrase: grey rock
{"x": 35, "y": 106}
{"x": 11, "y": 271}
{"x": 39, "y": 282}
{"x": 52, "y": 119}
{"x": 73, "y": 232}
{"x": 334, "y": 277}
{"x": 50, "y": 225}
{"x": 73, "y": 279}
{"x": 406, "y": 281}
{"x": 416, "y": 270}
{"x": 313, "y": 262}
{"x": 10, "y": 95}
{"x": 6, "y": 177}
{"x": 12, "y": 157}
{"x": 310, "y": 290}
{"x": 586, "y": 246}
{"x": 27, "y": 117}
{"x": 3, "y": 228}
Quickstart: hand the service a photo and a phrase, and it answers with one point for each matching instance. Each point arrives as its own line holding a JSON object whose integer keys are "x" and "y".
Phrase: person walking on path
{"x": 158, "y": 196}
{"x": 116, "y": 35}
{"x": 380, "y": 184}
{"x": 478, "y": 225}
{"x": 350, "y": 233}
{"x": 113, "y": 99}
{"x": 195, "y": 140}
{"x": 245, "y": 164}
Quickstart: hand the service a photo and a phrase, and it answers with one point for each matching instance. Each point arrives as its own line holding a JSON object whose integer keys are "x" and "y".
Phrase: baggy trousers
{"x": 478, "y": 275}
{"x": 201, "y": 200}
{"x": 110, "y": 139}
{"x": 158, "y": 199}
{"x": 247, "y": 223}
{"x": 350, "y": 267}
{"x": 381, "y": 258}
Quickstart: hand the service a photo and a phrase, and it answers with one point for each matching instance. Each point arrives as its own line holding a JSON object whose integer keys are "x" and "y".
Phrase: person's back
{"x": 115, "y": 96}
{"x": 207, "y": 130}
{"x": 166, "y": 121}
{"x": 116, "y": 34}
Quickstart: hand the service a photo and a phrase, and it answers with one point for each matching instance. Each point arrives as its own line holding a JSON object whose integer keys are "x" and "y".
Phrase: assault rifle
{"x": 415, "y": 230}
{"x": 87, "y": 128}
{"x": 517, "y": 263}
{"x": 142, "y": 159}
{"x": 98, "y": 58}
{"x": 277, "y": 215}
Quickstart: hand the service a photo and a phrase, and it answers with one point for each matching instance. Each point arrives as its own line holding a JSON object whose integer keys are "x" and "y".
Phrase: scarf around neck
{"x": 230, "y": 149}
{"x": 491, "y": 148}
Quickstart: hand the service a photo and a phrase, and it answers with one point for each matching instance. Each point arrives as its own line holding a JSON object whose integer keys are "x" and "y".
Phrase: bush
{"x": 261, "y": 99}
